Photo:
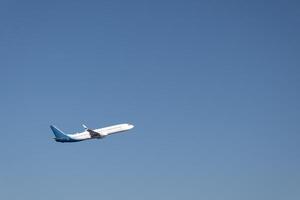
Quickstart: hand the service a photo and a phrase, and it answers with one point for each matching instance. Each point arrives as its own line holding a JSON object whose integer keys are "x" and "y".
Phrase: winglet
{"x": 85, "y": 127}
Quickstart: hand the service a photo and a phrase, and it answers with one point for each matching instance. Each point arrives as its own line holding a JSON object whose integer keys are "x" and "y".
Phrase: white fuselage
{"x": 101, "y": 132}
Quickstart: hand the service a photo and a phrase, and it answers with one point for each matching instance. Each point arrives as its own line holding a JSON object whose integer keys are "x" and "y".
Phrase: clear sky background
{"x": 211, "y": 86}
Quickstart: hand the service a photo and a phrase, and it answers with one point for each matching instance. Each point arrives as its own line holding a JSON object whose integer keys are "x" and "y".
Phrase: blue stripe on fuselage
{"x": 66, "y": 140}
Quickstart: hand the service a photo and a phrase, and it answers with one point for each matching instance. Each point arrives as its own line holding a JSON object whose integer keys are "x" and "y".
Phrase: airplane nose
{"x": 130, "y": 126}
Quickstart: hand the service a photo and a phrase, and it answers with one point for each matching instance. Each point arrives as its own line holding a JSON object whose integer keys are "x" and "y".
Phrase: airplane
{"x": 88, "y": 134}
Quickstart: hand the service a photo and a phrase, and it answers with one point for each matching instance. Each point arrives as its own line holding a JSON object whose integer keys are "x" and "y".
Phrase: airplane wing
{"x": 92, "y": 133}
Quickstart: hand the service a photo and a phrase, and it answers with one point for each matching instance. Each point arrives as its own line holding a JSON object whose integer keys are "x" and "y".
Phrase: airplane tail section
{"x": 58, "y": 133}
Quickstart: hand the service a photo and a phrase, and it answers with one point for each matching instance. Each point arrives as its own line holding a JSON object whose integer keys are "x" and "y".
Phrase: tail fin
{"x": 58, "y": 133}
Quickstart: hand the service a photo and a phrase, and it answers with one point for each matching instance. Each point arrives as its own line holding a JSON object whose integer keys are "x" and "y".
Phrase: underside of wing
{"x": 94, "y": 134}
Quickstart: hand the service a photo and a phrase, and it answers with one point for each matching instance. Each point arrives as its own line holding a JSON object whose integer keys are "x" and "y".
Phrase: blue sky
{"x": 211, "y": 86}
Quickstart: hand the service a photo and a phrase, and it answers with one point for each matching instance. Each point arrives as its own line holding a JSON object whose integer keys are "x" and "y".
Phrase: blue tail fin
{"x": 58, "y": 133}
